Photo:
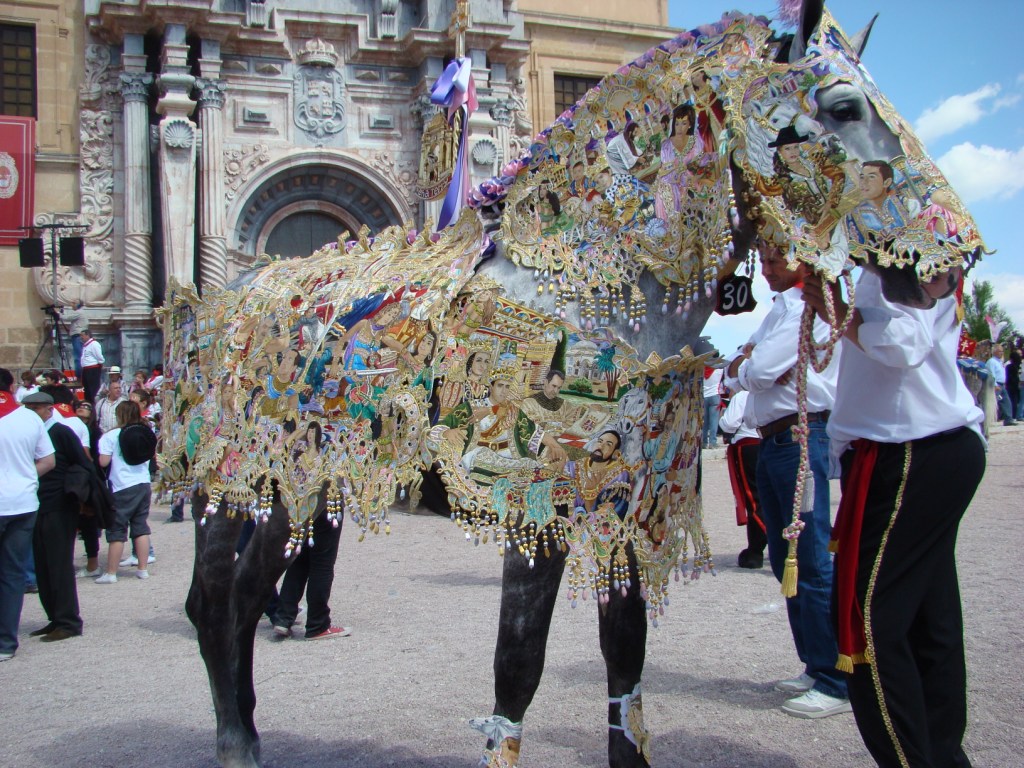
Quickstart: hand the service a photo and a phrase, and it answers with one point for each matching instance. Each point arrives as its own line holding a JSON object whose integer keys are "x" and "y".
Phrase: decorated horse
{"x": 542, "y": 369}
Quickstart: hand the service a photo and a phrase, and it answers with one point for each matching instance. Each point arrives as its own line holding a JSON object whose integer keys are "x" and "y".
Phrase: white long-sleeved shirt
{"x": 92, "y": 354}
{"x": 735, "y": 420}
{"x": 902, "y": 382}
{"x": 775, "y": 351}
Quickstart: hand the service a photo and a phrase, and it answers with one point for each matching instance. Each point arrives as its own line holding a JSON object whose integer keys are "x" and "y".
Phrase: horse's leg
{"x": 225, "y": 611}
{"x": 527, "y": 601}
{"x": 623, "y": 628}
{"x": 257, "y": 570}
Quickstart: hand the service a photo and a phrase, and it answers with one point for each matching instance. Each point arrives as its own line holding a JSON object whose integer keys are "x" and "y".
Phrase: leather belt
{"x": 781, "y": 425}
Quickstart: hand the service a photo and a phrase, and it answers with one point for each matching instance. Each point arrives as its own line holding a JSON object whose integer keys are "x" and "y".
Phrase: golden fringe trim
{"x": 789, "y": 574}
{"x": 833, "y": 546}
{"x": 845, "y": 663}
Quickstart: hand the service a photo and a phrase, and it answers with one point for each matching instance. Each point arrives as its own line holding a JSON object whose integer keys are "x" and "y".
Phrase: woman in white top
{"x": 131, "y": 486}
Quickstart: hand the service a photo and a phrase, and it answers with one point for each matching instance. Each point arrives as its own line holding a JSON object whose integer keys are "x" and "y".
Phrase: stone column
{"x": 213, "y": 249}
{"x": 138, "y": 223}
{"x": 178, "y": 146}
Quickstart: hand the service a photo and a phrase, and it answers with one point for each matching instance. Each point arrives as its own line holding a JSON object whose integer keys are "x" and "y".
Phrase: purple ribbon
{"x": 454, "y": 90}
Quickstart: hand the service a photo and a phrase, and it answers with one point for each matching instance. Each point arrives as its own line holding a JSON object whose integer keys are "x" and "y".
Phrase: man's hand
{"x": 814, "y": 296}
{"x": 734, "y": 366}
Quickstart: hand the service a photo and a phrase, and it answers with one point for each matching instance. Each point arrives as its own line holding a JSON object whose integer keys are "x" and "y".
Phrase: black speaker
{"x": 72, "y": 252}
{"x": 30, "y": 250}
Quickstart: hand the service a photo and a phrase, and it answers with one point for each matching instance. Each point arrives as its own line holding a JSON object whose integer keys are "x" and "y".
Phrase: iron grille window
{"x": 18, "y": 70}
{"x": 569, "y": 89}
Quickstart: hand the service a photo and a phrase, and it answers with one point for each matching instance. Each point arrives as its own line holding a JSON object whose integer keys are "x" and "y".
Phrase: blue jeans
{"x": 810, "y": 611}
{"x": 1003, "y": 404}
{"x": 709, "y": 437}
{"x": 15, "y": 541}
{"x": 76, "y": 351}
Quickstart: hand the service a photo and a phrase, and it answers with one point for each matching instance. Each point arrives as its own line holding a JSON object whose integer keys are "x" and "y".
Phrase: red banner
{"x": 17, "y": 177}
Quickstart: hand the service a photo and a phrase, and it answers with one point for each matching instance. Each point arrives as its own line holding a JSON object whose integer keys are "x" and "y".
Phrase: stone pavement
{"x": 423, "y": 605}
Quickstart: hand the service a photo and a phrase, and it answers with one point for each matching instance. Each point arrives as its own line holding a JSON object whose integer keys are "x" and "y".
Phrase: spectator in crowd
{"x": 712, "y": 406}
{"x": 76, "y": 321}
{"x": 156, "y": 379}
{"x": 88, "y": 524}
{"x": 106, "y": 408}
{"x": 28, "y": 385}
{"x": 52, "y": 378}
{"x": 64, "y": 411}
{"x": 132, "y": 490}
{"x": 53, "y": 539}
{"x": 1013, "y": 382}
{"x": 138, "y": 382}
{"x": 764, "y": 367}
{"x": 92, "y": 364}
{"x": 741, "y": 458}
{"x": 26, "y": 454}
{"x": 113, "y": 374}
{"x": 997, "y": 370}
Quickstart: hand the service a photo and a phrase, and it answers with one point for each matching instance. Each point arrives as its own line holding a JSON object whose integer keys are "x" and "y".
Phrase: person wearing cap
{"x": 53, "y": 538}
{"x": 26, "y": 454}
{"x": 92, "y": 364}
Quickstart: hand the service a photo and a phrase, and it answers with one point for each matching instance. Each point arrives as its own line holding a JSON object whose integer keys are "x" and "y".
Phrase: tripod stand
{"x": 55, "y": 338}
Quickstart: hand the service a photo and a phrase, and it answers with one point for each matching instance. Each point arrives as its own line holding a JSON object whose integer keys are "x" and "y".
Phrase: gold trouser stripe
{"x": 870, "y": 650}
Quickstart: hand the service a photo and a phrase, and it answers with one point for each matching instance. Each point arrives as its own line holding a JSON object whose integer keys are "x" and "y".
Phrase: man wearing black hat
{"x": 53, "y": 540}
{"x": 26, "y": 453}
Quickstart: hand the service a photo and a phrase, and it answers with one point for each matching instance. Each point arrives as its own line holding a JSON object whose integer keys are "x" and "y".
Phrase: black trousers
{"x": 910, "y": 699}
{"x": 757, "y": 537}
{"x": 53, "y": 546}
{"x": 91, "y": 382}
{"x": 312, "y": 572}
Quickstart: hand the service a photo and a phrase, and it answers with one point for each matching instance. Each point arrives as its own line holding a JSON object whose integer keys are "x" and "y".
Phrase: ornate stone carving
{"x": 485, "y": 152}
{"x": 135, "y": 86}
{"x": 179, "y": 134}
{"x": 423, "y": 109}
{"x": 211, "y": 93}
{"x": 400, "y": 173}
{"x": 501, "y": 112}
{"x": 319, "y": 95}
{"x": 92, "y": 284}
{"x": 317, "y": 53}
{"x": 239, "y": 165}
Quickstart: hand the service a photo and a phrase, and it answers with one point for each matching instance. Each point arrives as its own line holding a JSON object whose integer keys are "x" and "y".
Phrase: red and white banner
{"x": 17, "y": 177}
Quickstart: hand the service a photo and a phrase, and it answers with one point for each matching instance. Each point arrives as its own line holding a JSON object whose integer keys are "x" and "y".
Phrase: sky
{"x": 955, "y": 71}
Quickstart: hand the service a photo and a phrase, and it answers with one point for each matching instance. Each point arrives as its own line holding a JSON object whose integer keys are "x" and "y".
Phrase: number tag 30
{"x": 735, "y": 295}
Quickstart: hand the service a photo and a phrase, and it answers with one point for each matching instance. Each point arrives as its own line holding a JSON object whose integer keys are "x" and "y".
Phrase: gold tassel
{"x": 833, "y": 546}
{"x": 844, "y": 664}
{"x": 789, "y": 574}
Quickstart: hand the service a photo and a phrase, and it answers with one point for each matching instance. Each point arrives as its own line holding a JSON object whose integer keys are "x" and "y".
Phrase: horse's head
{"x": 846, "y": 178}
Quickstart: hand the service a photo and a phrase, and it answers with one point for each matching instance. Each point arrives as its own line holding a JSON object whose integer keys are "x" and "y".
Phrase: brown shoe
{"x": 58, "y": 634}
{"x": 42, "y": 630}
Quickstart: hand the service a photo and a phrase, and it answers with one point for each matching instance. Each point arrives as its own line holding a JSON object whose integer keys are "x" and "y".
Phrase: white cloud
{"x": 1007, "y": 289}
{"x": 954, "y": 113}
{"x": 983, "y": 173}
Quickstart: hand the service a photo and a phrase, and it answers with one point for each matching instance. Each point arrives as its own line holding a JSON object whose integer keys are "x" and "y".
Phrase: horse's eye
{"x": 846, "y": 112}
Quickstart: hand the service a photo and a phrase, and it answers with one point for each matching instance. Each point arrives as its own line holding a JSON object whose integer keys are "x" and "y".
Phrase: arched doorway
{"x": 302, "y": 207}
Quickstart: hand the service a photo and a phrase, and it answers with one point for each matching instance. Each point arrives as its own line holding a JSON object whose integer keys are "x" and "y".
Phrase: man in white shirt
{"x": 25, "y": 453}
{"x": 764, "y": 368}
{"x": 92, "y": 364}
{"x": 997, "y": 369}
{"x": 908, "y": 435}
{"x": 106, "y": 408}
{"x": 712, "y": 407}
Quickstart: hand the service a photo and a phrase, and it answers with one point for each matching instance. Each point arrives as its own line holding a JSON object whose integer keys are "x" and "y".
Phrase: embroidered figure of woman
{"x": 680, "y": 157}
{"x": 810, "y": 184}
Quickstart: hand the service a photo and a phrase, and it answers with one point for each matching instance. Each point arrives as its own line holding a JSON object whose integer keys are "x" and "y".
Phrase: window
{"x": 570, "y": 89}
{"x": 17, "y": 70}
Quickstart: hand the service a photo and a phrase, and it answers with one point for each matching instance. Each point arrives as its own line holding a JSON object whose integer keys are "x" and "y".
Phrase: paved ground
{"x": 423, "y": 606}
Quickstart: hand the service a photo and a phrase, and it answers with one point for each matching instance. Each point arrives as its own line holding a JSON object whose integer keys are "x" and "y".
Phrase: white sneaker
{"x": 799, "y": 684}
{"x": 142, "y": 574}
{"x": 151, "y": 559}
{"x": 129, "y": 561}
{"x": 815, "y": 704}
{"x": 82, "y": 573}
{"x": 107, "y": 578}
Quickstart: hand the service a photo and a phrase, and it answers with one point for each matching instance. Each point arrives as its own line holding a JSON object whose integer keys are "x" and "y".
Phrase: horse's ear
{"x": 860, "y": 40}
{"x": 810, "y": 17}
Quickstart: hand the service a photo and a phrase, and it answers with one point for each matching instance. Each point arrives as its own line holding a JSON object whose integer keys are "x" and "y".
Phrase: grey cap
{"x": 37, "y": 398}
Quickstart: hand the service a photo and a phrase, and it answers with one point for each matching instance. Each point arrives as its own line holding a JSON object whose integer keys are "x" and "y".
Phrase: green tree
{"x": 605, "y": 362}
{"x": 979, "y": 304}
